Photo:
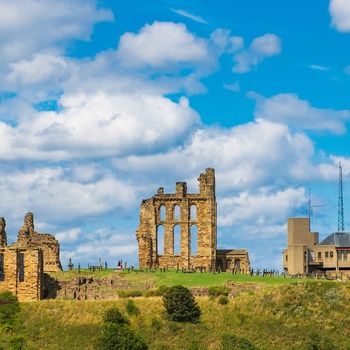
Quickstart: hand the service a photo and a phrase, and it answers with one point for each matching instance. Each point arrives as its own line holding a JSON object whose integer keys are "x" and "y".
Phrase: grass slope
{"x": 293, "y": 315}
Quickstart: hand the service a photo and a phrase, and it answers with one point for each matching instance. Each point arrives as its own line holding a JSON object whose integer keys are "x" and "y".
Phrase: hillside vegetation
{"x": 283, "y": 314}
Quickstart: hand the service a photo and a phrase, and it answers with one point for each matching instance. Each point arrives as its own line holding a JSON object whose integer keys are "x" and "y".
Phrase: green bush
{"x": 17, "y": 342}
{"x": 117, "y": 333}
{"x": 119, "y": 337}
{"x": 232, "y": 342}
{"x": 113, "y": 315}
{"x": 223, "y": 300}
{"x": 9, "y": 309}
{"x": 131, "y": 308}
{"x": 180, "y": 305}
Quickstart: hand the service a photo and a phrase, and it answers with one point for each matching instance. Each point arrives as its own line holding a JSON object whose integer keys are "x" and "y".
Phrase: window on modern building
{"x": 331, "y": 254}
{"x": 176, "y": 212}
{"x": 160, "y": 240}
{"x": 162, "y": 214}
{"x": 2, "y": 267}
{"x": 20, "y": 265}
{"x": 326, "y": 254}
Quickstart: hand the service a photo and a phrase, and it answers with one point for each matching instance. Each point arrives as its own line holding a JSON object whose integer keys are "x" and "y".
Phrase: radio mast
{"x": 340, "y": 202}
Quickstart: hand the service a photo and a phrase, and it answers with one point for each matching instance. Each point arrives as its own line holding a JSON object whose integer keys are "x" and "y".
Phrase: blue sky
{"x": 102, "y": 102}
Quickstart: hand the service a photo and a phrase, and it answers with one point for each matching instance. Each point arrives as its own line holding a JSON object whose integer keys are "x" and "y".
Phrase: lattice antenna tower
{"x": 340, "y": 201}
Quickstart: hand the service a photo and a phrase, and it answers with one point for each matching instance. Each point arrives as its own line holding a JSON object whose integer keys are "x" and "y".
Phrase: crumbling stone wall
{"x": 28, "y": 237}
{"x": 202, "y": 204}
{"x": 23, "y": 263}
{"x": 236, "y": 260}
{"x": 22, "y": 272}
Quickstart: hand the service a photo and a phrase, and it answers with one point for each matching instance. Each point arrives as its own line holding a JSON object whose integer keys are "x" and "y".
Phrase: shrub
{"x": 156, "y": 324}
{"x": 232, "y": 342}
{"x": 223, "y": 300}
{"x": 17, "y": 342}
{"x": 9, "y": 309}
{"x": 117, "y": 333}
{"x": 119, "y": 337}
{"x": 131, "y": 308}
{"x": 180, "y": 305}
{"x": 113, "y": 315}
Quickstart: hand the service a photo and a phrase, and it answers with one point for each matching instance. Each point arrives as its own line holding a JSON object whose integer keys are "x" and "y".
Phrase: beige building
{"x": 179, "y": 230}
{"x": 305, "y": 254}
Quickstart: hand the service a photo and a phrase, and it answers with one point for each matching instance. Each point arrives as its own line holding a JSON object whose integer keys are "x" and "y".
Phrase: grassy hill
{"x": 281, "y": 314}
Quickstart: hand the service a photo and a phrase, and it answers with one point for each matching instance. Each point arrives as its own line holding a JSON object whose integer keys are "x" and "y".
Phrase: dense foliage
{"x": 180, "y": 305}
{"x": 9, "y": 309}
{"x": 117, "y": 333}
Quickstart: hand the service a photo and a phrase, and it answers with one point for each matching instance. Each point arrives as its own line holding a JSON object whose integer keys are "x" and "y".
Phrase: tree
{"x": 9, "y": 309}
{"x": 117, "y": 333}
{"x": 181, "y": 305}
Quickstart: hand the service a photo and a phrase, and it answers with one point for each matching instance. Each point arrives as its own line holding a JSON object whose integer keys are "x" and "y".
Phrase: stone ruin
{"x": 190, "y": 219}
{"x": 23, "y": 263}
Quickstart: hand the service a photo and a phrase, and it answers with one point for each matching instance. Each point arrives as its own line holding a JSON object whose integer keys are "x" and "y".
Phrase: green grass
{"x": 290, "y": 316}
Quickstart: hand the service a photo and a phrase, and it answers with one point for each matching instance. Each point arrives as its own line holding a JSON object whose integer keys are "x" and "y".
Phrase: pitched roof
{"x": 340, "y": 239}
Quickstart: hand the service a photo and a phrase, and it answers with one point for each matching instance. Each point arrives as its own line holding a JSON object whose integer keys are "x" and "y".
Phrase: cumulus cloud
{"x": 262, "y": 207}
{"x": 137, "y": 123}
{"x": 260, "y": 48}
{"x": 45, "y": 22}
{"x": 289, "y": 109}
{"x": 340, "y": 13}
{"x": 160, "y": 44}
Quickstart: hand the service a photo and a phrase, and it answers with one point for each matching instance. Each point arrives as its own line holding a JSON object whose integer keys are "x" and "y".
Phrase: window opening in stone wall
{"x": 177, "y": 238}
{"x": 162, "y": 214}
{"x": 176, "y": 212}
{"x": 228, "y": 264}
{"x": 326, "y": 254}
{"x": 319, "y": 255}
{"x": 160, "y": 240}
{"x": 237, "y": 265}
{"x": 345, "y": 256}
{"x": 193, "y": 212}
{"x": 194, "y": 239}
{"x": 2, "y": 267}
{"x": 20, "y": 258}
{"x": 331, "y": 254}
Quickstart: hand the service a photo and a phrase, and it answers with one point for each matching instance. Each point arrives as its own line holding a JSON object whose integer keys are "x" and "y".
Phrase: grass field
{"x": 283, "y": 314}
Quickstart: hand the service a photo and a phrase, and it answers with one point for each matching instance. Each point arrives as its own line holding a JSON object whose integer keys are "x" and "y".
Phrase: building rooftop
{"x": 340, "y": 239}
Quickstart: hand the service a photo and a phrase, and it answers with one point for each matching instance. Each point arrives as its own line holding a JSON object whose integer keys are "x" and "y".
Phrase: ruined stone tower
{"x": 189, "y": 218}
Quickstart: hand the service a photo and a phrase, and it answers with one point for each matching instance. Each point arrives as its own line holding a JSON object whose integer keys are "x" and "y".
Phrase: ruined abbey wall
{"x": 23, "y": 263}
{"x": 196, "y": 214}
{"x": 28, "y": 237}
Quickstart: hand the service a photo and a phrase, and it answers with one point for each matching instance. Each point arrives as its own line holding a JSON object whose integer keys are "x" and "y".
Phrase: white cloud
{"x": 233, "y": 87}
{"x": 289, "y": 109}
{"x": 189, "y": 15}
{"x": 340, "y": 13}
{"x": 260, "y": 48}
{"x": 99, "y": 125}
{"x": 316, "y": 67}
{"x": 262, "y": 207}
{"x": 28, "y": 26}
{"x": 160, "y": 44}
{"x": 43, "y": 67}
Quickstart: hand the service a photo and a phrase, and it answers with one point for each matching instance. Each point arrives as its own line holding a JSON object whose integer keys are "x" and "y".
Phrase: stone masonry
{"x": 194, "y": 216}
{"x": 23, "y": 263}
{"x": 203, "y": 205}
